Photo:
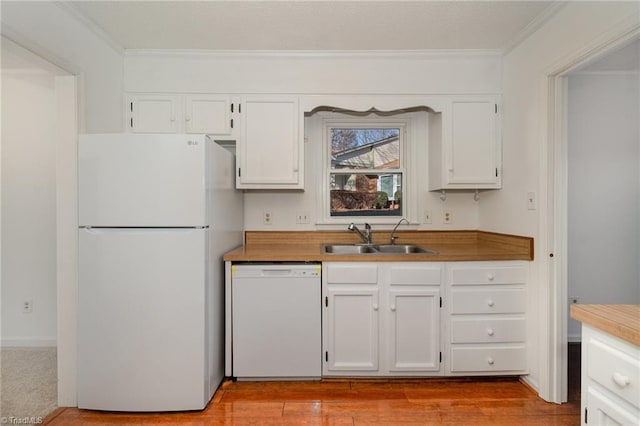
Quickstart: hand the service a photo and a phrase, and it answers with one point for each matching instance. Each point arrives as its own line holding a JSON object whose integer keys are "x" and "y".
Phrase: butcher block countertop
{"x": 306, "y": 246}
{"x": 621, "y": 321}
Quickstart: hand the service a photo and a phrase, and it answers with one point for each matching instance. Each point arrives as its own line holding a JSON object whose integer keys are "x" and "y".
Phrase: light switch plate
{"x": 531, "y": 200}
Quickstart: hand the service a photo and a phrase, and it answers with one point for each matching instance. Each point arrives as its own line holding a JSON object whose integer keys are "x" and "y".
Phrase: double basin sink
{"x": 375, "y": 249}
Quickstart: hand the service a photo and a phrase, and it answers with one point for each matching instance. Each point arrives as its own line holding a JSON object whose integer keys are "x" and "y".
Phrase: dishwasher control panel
{"x": 277, "y": 270}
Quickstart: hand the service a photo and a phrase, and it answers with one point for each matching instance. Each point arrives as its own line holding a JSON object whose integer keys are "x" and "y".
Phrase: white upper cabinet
{"x": 153, "y": 113}
{"x": 208, "y": 114}
{"x": 464, "y": 146}
{"x": 270, "y": 151}
{"x": 176, "y": 113}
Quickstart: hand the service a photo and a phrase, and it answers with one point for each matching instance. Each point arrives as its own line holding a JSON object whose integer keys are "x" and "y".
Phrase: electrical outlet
{"x": 574, "y": 300}
{"x": 302, "y": 218}
{"x": 427, "y": 216}
{"x": 27, "y": 306}
{"x": 447, "y": 217}
{"x": 267, "y": 218}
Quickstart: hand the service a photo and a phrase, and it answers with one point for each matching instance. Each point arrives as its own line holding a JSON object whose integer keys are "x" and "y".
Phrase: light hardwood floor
{"x": 356, "y": 402}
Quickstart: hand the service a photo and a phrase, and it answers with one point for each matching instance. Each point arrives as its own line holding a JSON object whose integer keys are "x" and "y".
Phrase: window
{"x": 365, "y": 168}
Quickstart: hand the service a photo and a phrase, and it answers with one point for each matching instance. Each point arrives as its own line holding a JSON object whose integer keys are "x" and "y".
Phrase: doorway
{"x": 594, "y": 193}
{"x": 38, "y": 234}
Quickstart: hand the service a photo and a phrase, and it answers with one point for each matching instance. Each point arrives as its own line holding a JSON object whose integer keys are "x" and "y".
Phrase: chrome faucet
{"x": 393, "y": 237}
{"x": 366, "y": 235}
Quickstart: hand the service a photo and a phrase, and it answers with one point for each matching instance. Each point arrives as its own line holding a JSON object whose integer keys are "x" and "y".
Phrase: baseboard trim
{"x": 29, "y": 343}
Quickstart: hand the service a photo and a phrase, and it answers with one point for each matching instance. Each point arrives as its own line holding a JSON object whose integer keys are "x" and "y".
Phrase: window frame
{"x": 373, "y": 122}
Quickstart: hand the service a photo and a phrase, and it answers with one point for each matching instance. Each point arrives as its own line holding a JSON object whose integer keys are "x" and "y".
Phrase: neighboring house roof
{"x": 375, "y": 155}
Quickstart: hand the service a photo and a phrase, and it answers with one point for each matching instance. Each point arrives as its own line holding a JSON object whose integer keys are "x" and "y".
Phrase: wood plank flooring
{"x": 355, "y": 402}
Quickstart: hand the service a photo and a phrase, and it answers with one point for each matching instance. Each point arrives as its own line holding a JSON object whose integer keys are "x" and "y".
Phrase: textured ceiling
{"x": 313, "y": 25}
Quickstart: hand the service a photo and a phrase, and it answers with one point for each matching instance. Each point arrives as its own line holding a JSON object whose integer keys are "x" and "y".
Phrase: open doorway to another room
{"x": 39, "y": 133}
{"x": 603, "y": 196}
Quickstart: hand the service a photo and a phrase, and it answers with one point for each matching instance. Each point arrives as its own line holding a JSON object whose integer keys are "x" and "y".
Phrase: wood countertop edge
{"x": 305, "y": 246}
{"x": 621, "y": 321}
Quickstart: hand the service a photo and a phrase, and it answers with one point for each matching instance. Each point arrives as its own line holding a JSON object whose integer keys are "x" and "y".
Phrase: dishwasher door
{"x": 276, "y": 321}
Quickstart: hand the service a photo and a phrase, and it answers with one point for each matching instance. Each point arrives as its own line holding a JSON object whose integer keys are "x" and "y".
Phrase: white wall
{"x": 28, "y": 204}
{"x": 603, "y": 190}
{"x": 355, "y": 73}
{"x": 566, "y": 37}
{"x": 51, "y": 30}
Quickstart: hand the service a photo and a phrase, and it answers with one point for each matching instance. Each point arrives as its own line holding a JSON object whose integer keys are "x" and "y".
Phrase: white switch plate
{"x": 302, "y": 218}
{"x": 427, "y": 216}
{"x": 531, "y": 200}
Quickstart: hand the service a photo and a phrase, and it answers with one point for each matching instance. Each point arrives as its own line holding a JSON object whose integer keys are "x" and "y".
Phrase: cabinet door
{"x": 208, "y": 114}
{"x": 473, "y": 153}
{"x": 352, "y": 329}
{"x": 154, "y": 113}
{"x": 414, "y": 330}
{"x": 605, "y": 411}
{"x": 270, "y": 149}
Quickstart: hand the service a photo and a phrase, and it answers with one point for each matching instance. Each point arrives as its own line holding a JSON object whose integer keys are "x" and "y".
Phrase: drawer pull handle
{"x": 490, "y": 361}
{"x": 490, "y": 331}
{"x": 621, "y": 380}
{"x": 490, "y": 303}
{"x": 490, "y": 277}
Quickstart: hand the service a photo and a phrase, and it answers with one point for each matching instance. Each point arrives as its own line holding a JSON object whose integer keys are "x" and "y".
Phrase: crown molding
{"x": 317, "y": 54}
{"x": 77, "y": 14}
{"x": 533, "y": 26}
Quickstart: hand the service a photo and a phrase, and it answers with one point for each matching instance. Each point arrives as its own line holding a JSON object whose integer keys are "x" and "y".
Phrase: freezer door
{"x": 141, "y": 320}
{"x": 142, "y": 180}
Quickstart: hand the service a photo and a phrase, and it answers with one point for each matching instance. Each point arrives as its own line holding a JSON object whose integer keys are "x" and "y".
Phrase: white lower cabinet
{"x": 610, "y": 382}
{"x": 381, "y": 319}
{"x": 485, "y": 304}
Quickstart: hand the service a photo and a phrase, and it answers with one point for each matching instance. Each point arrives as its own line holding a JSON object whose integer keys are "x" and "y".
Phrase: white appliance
{"x": 276, "y": 310}
{"x": 156, "y": 213}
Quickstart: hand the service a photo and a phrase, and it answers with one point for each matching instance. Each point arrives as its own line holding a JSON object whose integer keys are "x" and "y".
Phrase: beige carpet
{"x": 28, "y": 383}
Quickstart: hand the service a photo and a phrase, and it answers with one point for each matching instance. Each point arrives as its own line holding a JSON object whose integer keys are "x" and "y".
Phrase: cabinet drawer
{"x": 488, "y": 359}
{"x": 617, "y": 371}
{"x": 488, "y": 275}
{"x": 498, "y": 330}
{"x": 488, "y": 301}
{"x": 352, "y": 273}
{"x": 416, "y": 275}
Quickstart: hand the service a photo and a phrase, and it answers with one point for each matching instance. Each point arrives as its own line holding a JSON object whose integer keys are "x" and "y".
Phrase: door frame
{"x": 554, "y": 179}
{"x": 69, "y": 93}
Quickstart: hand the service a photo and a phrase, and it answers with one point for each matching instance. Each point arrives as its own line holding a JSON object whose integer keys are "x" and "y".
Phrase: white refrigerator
{"x": 156, "y": 213}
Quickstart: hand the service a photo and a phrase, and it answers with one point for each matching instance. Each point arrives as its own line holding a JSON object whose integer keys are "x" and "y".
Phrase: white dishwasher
{"x": 276, "y": 321}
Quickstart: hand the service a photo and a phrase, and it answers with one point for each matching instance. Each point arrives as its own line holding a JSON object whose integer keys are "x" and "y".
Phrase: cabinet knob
{"x": 490, "y": 277}
{"x": 375, "y": 307}
{"x": 172, "y": 119}
{"x": 490, "y": 331}
{"x": 187, "y": 118}
{"x": 490, "y": 361}
{"x": 490, "y": 303}
{"x": 621, "y": 380}
{"x": 393, "y": 308}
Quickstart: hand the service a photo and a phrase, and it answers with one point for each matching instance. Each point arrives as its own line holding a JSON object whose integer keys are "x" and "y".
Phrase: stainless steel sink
{"x": 375, "y": 249}
{"x": 348, "y": 249}
{"x": 402, "y": 249}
